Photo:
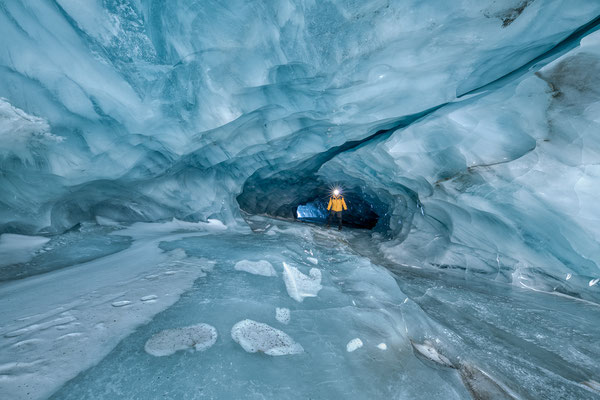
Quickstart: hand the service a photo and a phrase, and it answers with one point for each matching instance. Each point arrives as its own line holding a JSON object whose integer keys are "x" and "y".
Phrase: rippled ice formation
{"x": 140, "y": 141}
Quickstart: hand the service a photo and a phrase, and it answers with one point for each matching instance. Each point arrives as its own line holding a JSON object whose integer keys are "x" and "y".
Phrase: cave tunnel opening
{"x": 305, "y": 199}
{"x": 361, "y": 213}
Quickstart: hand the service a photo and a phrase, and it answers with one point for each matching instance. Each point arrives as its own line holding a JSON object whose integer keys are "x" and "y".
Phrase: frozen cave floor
{"x": 316, "y": 313}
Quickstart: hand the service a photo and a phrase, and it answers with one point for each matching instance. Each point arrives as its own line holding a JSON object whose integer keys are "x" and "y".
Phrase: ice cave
{"x": 166, "y": 169}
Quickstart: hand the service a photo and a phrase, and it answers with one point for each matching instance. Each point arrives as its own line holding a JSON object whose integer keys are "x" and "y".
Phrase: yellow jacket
{"x": 336, "y": 203}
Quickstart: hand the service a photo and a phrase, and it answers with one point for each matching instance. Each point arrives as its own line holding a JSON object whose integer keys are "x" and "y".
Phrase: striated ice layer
{"x": 139, "y": 111}
{"x": 501, "y": 184}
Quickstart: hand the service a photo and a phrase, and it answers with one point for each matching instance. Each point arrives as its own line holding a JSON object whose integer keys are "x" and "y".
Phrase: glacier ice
{"x": 149, "y": 151}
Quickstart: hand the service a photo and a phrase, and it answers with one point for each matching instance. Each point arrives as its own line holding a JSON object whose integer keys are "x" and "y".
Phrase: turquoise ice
{"x": 163, "y": 167}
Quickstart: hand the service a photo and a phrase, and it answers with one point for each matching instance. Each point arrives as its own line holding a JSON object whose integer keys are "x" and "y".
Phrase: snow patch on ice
{"x": 255, "y": 336}
{"x": 283, "y": 315}
{"x": 299, "y": 285}
{"x": 261, "y": 267}
{"x": 148, "y": 229}
{"x": 199, "y": 337}
{"x": 354, "y": 344}
{"x": 16, "y": 249}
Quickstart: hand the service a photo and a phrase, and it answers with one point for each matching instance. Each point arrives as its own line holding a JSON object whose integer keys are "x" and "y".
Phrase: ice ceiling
{"x": 473, "y": 136}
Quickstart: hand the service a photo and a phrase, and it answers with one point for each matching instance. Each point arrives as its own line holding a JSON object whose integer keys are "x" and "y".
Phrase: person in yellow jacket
{"x": 335, "y": 206}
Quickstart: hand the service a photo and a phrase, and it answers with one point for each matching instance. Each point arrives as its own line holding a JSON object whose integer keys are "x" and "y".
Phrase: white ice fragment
{"x": 428, "y": 351}
{"x": 282, "y": 315}
{"x": 149, "y": 297}
{"x": 121, "y": 303}
{"x": 568, "y": 276}
{"x": 255, "y": 336}
{"x": 594, "y": 281}
{"x": 299, "y": 285}
{"x": 312, "y": 260}
{"x": 354, "y": 344}
{"x": 382, "y": 346}
{"x": 199, "y": 337}
{"x": 262, "y": 267}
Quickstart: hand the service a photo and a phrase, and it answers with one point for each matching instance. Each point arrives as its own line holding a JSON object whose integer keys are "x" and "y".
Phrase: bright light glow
{"x": 336, "y": 192}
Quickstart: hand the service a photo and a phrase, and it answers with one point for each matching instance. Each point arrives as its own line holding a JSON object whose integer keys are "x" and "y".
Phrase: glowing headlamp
{"x": 336, "y": 192}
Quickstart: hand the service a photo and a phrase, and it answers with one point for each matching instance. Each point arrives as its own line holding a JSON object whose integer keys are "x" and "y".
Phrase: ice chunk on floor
{"x": 255, "y": 336}
{"x": 282, "y": 315}
{"x": 299, "y": 285}
{"x": 429, "y": 352}
{"x": 312, "y": 260}
{"x": 199, "y": 337}
{"x": 261, "y": 267}
{"x": 354, "y": 344}
{"x": 382, "y": 346}
{"x": 16, "y": 249}
{"x": 121, "y": 303}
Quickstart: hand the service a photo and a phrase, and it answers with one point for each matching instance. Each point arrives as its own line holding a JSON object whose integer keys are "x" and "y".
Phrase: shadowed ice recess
{"x": 165, "y": 168}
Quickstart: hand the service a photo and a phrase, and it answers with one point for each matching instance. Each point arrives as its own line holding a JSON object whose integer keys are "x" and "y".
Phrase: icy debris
{"x": 262, "y": 267}
{"x": 594, "y": 281}
{"x": 150, "y": 297}
{"x": 299, "y": 285}
{"x": 255, "y": 336}
{"x": 354, "y": 344}
{"x": 282, "y": 315}
{"x": 429, "y": 352}
{"x": 199, "y": 337}
{"x": 382, "y": 346}
{"x": 121, "y": 303}
{"x": 312, "y": 260}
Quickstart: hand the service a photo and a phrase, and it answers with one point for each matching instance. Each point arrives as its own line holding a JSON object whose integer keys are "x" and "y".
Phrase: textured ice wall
{"x": 142, "y": 110}
{"x": 508, "y": 179}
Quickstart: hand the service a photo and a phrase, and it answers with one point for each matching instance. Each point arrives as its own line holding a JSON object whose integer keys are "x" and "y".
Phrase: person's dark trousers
{"x": 338, "y": 215}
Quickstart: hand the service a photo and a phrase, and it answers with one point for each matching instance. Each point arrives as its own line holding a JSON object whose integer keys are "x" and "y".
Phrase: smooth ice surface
{"x": 261, "y": 267}
{"x": 258, "y": 337}
{"x": 198, "y": 337}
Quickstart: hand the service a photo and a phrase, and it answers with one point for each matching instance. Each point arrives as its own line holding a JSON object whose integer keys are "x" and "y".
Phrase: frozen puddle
{"x": 199, "y": 337}
{"x": 258, "y": 337}
{"x": 299, "y": 285}
{"x": 261, "y": 267}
